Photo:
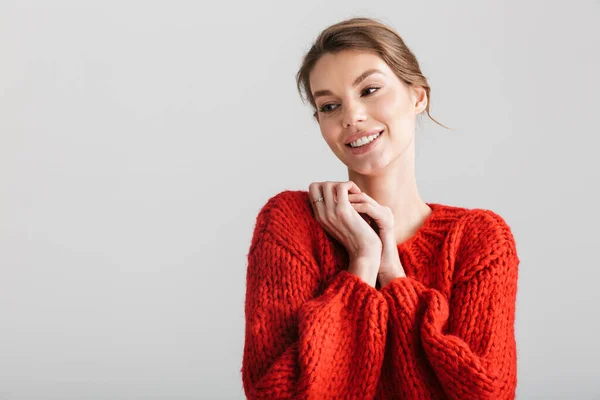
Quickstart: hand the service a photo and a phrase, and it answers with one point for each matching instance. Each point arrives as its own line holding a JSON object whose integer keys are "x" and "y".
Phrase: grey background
{"x": 138, "y": 141}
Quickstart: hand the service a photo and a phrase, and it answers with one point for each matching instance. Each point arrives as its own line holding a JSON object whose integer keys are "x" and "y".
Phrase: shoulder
{"x": 486, "y": 237}
{"x": 488, "y": 227}
{"x": 284, "y": 218}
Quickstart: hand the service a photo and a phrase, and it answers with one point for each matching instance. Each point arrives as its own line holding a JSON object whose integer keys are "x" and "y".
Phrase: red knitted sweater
{"x": 316, "y": 331}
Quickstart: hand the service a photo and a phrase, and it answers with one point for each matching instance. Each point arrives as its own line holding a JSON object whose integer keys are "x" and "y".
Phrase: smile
{"x": 361, "y": 149}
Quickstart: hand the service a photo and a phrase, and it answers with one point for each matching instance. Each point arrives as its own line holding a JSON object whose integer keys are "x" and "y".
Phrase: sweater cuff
{"x": 403, "y": 292}
{"x": 350, "y": 299}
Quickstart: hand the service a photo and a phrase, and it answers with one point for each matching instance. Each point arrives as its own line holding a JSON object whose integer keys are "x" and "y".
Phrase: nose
{"x": 353, "y": 112}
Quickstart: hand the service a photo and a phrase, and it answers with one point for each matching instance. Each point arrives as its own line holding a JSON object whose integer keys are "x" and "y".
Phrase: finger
{"x": 364, "y": 208}
{"x": 383, "y": 219}
{"x": 365, "y": 211}
{"x": 362, "y": 197}
{"x": 314, "y": 190}
{"x": 373, "y": 212}
{"x": 369, "y": 199}
{"x": 328, "y": 190}
{"x": 354, "y": 187}
{"x": 342, "y": 189}
{"x": 335, "y": 190}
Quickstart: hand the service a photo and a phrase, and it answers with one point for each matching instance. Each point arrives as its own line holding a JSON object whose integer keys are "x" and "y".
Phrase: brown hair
{"x": 369, "y": 35}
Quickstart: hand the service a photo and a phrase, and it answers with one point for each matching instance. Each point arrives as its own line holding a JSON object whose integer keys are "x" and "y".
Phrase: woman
{"x": 360, "y": 289}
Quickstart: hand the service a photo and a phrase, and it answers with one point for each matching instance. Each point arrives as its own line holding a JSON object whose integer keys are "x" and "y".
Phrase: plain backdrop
{"x": 139, "y": 140}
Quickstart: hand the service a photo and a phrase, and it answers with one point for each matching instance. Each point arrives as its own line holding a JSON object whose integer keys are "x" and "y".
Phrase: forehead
{"x": 343, "y": 67}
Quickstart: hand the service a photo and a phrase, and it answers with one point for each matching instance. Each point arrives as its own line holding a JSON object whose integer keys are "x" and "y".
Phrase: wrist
{"x": 365, "y": 268}
{"x": 385, "y": 278}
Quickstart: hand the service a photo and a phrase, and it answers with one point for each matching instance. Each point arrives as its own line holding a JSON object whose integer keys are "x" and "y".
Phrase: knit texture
{"x": 316, "y": 331}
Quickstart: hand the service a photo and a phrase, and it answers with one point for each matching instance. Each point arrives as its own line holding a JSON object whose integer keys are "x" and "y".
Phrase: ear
{"x": 419, "y": 97}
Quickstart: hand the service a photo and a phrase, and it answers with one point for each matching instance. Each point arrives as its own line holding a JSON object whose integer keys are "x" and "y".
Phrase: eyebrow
{"x": 358, "y": 80}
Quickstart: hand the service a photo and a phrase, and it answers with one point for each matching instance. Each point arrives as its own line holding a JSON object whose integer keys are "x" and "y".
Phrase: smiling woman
{"x": 360, "y": 72}
{"x": 362, "y": 34}
{"x": 360, "y": 289}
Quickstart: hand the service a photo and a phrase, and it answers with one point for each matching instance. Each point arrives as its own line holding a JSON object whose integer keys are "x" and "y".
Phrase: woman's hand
{"x": 390, "y": 267}
{"x": 340, "y": 220}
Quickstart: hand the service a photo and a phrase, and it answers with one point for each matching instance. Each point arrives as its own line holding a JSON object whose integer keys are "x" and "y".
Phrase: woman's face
{"x": 350, "y": 102}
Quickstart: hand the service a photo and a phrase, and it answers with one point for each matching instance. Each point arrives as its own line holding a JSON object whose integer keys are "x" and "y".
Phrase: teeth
{"x": 364, "y": 140}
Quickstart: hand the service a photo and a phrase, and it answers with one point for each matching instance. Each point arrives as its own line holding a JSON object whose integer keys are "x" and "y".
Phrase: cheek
{"x": 393, "y": 108}
{"x": 385, "y": 107}
{"x": 328, "y": 131}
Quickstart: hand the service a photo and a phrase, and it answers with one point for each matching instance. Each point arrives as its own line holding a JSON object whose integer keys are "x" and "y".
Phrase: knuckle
{"x": 341, "y": 212}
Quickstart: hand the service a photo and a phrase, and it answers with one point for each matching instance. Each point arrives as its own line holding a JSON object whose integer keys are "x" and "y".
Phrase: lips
{"x": 361, "y": 135}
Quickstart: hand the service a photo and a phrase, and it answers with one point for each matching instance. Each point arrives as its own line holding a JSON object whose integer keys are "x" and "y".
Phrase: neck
{"x": 396, "y": 188}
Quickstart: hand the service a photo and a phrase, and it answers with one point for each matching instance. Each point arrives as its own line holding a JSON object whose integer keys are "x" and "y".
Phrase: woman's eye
{"x": 325, "y": 110}
{"x": 371, "y": 87}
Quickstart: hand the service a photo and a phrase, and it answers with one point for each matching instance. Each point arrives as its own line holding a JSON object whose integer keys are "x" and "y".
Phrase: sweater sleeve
{"x": 468, "y": 340}
{"x": 300, "y": 344}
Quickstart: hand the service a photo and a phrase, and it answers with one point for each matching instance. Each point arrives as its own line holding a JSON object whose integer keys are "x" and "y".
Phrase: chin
{"x": 369, "y": 170}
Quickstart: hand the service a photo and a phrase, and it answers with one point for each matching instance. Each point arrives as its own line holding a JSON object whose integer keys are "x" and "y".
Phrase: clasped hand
{"x": 358, "y": 222}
